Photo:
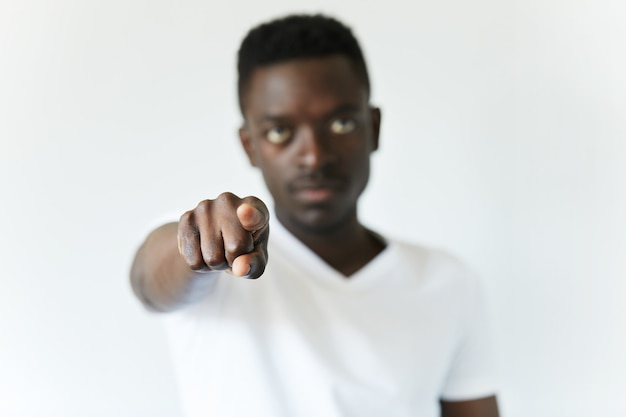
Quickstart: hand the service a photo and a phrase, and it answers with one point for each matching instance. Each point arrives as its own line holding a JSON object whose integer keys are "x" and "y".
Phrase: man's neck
{"x": 346, "y": 248}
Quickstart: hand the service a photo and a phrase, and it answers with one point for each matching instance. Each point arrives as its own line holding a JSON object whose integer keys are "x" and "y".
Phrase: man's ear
{"x": 244, "y": 137}
{"x": 375, "y": 116}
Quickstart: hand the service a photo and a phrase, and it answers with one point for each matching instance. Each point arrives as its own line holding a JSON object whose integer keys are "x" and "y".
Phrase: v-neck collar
{"x": 298, "y": 253}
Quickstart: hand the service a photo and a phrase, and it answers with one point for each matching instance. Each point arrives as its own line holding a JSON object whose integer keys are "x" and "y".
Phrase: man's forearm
{"x": 159, "y": 276}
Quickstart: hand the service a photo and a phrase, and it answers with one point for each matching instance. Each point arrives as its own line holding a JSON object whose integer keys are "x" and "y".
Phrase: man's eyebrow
{"x": 344, "y": 108}
{"x": 341, "y": 109}
{"x": 273, "y": 118}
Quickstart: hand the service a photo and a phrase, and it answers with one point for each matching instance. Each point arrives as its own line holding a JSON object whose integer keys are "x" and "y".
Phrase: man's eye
{"x": 278, "y": 135}
{"x": 342, "y": 126}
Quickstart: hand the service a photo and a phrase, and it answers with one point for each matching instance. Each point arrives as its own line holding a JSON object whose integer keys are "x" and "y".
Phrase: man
{"x": 343, "y": 322}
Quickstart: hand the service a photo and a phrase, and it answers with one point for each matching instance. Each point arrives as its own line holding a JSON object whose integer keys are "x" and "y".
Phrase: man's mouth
{"x": 317, "y": 191}
{"x": 316, "y": 195}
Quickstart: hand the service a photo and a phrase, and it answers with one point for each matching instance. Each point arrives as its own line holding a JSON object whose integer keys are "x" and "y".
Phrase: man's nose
{"x": 315, "y": 149}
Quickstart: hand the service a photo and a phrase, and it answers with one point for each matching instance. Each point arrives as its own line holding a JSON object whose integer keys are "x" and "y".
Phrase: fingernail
{"x": 247, "y": 274}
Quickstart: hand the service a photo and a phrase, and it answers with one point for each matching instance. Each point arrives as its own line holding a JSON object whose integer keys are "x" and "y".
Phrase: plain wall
{"x": 503, "y": 140}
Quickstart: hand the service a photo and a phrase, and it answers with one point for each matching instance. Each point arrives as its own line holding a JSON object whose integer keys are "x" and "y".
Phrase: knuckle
{"x": 204, "y": 207}
{"x": 192, "y": 259}
{"x": 196, "y": 265}
{"x": 225, "y": 205}
{"x": 216, "y": 263}
{"x": 238, "y": 246}
{"x": 227, "y": 197}
{"x": 185, "y": 220}
{"x": 214, "y": 258}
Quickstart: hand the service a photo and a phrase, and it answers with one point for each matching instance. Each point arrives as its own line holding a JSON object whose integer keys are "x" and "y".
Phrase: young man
{"x": 342, "y": 321}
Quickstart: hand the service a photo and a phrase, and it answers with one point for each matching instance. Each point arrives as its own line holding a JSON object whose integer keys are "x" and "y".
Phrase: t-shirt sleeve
{"x": 472, "y": 372}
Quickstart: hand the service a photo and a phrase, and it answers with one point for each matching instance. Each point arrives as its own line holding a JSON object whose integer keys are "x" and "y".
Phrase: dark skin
{"x": 309, "y": 128}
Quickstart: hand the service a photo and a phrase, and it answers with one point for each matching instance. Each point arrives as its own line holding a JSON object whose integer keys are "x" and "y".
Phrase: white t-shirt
{"x": 302, "y": 340}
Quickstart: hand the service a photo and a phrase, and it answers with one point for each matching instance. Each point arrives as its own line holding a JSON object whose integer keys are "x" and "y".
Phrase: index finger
{"x": 253, "y": 214}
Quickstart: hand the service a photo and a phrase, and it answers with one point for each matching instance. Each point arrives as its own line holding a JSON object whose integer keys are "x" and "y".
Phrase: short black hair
{"x": 296, "y": 37}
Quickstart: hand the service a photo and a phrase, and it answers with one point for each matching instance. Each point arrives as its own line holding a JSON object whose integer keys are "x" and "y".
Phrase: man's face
{"x": 310, "y": 129}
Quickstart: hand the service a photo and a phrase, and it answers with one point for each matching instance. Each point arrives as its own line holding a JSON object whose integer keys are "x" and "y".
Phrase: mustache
{"x": 318, "y": 179}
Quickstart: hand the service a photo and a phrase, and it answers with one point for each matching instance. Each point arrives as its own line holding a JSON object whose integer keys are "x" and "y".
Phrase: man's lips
{"x": 316, "y": 191}
{"x": 316, "y": 195}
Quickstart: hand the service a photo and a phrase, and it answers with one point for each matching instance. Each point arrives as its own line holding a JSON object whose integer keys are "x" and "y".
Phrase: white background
{"x": 503, "y": 140}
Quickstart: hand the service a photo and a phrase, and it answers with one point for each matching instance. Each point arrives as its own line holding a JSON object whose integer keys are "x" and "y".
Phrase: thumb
{"x": 253, "y": 216}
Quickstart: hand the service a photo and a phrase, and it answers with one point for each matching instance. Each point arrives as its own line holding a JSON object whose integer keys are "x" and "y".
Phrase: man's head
{"x": 308, "y": 125}
{"x": 297, "y": 37}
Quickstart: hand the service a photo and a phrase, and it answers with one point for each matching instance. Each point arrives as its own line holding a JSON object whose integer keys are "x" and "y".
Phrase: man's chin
{"x": 318, "y": 219}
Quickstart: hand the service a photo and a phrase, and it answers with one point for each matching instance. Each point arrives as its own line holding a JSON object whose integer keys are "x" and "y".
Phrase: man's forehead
{"x": 288, "y": 83}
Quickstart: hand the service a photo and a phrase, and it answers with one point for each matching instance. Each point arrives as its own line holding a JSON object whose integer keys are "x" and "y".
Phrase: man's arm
{"x": 483, "y": 407}
{"x": 173, "y": 266}
{"x": 160, "y": 277}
